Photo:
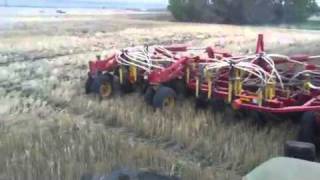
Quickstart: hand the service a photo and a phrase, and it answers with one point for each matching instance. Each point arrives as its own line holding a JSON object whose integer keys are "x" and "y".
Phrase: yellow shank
{"x": 307, "y": 83}
{"x": 133, "y": 72}
{"x": 209, "y": 88}
{"x": 237, "y": 83}
{"x": 187, "y": 74}
{"x": 121, "y": 74}
{"x": 197, "y": 86}
{"x": 260, "y": 97}
{"x": 208, "y": 76}
{"x": 270, "y": 90}
{"x": 230, "y": 87}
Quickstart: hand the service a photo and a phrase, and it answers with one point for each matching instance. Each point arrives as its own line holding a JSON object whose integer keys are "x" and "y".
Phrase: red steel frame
{"x": 156, "y": 76}
{"x": 246, "y": 99}
{"x": 280, "y": 104}
{"x": 177, "y": 69}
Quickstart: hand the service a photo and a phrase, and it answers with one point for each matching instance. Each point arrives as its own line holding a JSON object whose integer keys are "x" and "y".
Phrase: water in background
{"x": 83, "y": 4}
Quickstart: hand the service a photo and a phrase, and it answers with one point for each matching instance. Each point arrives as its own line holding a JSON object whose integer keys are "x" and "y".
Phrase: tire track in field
{"x": 25, "y": 58}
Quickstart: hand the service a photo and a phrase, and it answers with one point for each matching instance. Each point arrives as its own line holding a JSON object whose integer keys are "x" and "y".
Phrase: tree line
{"x": 243, "y": 11}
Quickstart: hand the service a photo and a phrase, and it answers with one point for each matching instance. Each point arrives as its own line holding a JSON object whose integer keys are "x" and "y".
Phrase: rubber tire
{"x": 180, "y": 88}
{"x": 142, "y": 88}
{"x": 202, "y": 101}
{"x": 161, "y": 94}
{"x": 95, "y": 87}
{"x": 258, "y": 118}
{"x": 88, "y": 84}
{"x": 217, "y": 105}
{"x": 149, "y": 94}
{"x": 126, "y": 87}
{"x": 300, "y": 150}
{"x": 307, "y": 132}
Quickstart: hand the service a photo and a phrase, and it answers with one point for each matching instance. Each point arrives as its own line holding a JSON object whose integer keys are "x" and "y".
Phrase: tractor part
{"x": 164, "y": 97}
{"x": 300, "y": 150}
{"x": 284, "y": 168}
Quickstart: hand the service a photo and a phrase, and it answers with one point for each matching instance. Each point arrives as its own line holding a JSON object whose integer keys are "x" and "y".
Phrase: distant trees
{"x": 243, "y": 11}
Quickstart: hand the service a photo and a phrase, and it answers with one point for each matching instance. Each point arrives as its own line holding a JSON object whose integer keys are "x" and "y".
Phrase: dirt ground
{"x": 50, "y": 129}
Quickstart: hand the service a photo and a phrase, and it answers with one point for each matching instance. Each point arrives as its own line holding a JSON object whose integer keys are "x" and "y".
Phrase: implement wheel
{"x": 202, "y": 101}
{"x": 103, "y": 86}
{"x": 105, "y": 90}
{"x": 164, "y": 97}
{"x": 149, "y": 94}
{"x": 217, "y": 105}
{"x": 180, "y": 88}
{"x": 308, "y": 128}
{"x": 89, "y": 83}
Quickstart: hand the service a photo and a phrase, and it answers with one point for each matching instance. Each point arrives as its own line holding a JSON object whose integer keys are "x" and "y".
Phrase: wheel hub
{"x": 105, "y": 90}
{"x": 168, "y": 102}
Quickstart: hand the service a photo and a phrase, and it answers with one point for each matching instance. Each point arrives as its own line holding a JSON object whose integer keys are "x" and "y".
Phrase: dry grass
{"x": 50, "y": 130}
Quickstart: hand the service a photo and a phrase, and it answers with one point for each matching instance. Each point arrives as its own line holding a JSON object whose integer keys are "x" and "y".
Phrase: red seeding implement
{"x": 266, "y": 82}
{"x": 260, "y": 83}
{"x": 157, "y": 71}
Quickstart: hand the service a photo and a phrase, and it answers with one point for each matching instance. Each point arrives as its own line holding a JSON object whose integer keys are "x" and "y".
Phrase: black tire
{"x": 202, "y": 101}
{"x": 161, "y": 94}
{"x": 295, "y": 117}
{"x": 88, "y": 84}
{"x": 308, "y": 125}
{"x": 142, "y": 88}
{"x": 217, "y": 105}
{"x": 99, "y": 80}
{"x": 181, "y": 89}
{"x": 258, "y": 118}
{"x": 127, "y": 87}
{"x": 141, "y": 85}
{"x": 149, "y": 94}
{"x": 300, "y": 150}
